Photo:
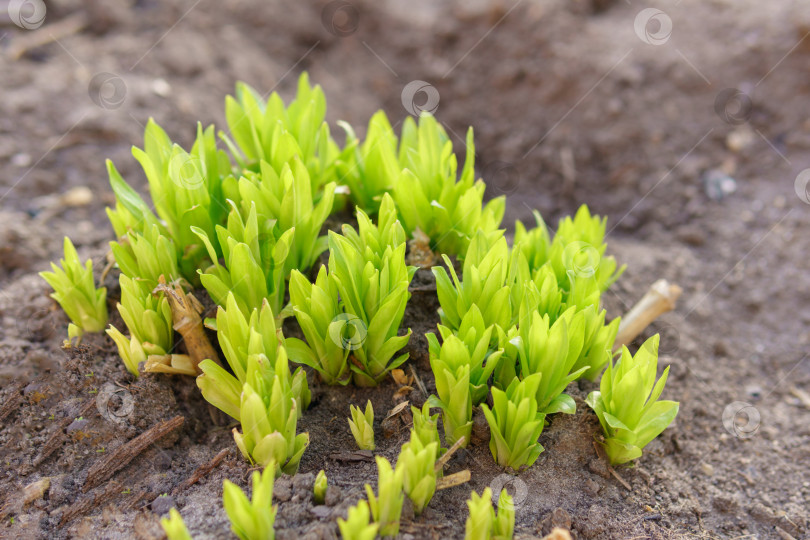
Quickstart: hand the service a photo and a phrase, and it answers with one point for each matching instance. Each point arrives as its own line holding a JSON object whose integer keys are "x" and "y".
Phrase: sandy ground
{"x": 690, "y": 133}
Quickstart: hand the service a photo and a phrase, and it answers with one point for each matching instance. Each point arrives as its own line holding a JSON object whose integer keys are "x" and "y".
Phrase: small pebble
{"x": 21, "y": 160}
{"x": 718, "y": 185}
{"x": 163, "y": 504}
{"x": 707, "y": 469}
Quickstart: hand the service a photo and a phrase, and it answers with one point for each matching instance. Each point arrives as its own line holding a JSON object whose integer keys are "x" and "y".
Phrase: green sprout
{"x": 356, "y": 526}
{"x": 146, "y": 256}
{"x": 576, "y": 254}
{"x": 369, "y": 169}
{"x": 469, "y": 346}
{"x": 285, "y": 195}
{"x": 318, "y": 312}
{"x": 429, "y": 196}
{"x": 454, "y": 399}
{"x": 550, "y": 350}
{"x": 597, "y": 349}
{"x": 149, "y": 320}
{"x": 483, "y": 524}
{"x": 174, "y": 527}
{"x": 253, "y": 343}
{"x": 269, "y": 131}
{"x": 627, "y": 403}
{"x": 254, "y": 262}
{"x": 75, "y": 291}
{"x": 362, "y": 426}
{"x": 492, "y": 280}
{"x": 418, "y": 462}
{"x": 319, "y": 490}
{"x": 515, "y": 424}
{"x": 425, "y": 426}
{"x": 252, "y": 518}
{"x": 367, "y": 285}
{"x": 185, "y": 188}
{"x": 386, "y": 506}
{"x": 269, "y": 416}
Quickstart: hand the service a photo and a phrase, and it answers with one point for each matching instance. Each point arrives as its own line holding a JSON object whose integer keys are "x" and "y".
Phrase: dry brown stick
{"x": 621, "y": 480}
{"x": 84, "y": 505}
{"x": 452, "y": 480}
{"x": 13, "y": 401}
{"x": 202, "y": 471}
{"x": 659, "y": 299}
{"x": 187, "y": 321}
{"x": 104, "y": 468}
{"x": 442, "y": 461}
{"x": 50, "y": 33}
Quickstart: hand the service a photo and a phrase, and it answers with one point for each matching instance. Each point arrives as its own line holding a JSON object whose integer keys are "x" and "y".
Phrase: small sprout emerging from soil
{"x": 370, "y": 168}
{"x": 386, "y": 506}
{"x": 362, "y": 426}
{"x": 269, "y": 416}
{"x": 174, "y": 527}
{"x": 454, "y": 399}
{"x": 425, "y": 426}
{"x": 270, "y": 132}
{"x": 252, "y": 518}
{"x": 469, "y": 346}
{"x": 149, "y": 320}
{"x": 254, "y": 262}
{"x": 418, "y": 462}
{"x": 483, "y": 523}
{"x": 244, "y": 340}
{"x": 75, "y": 290}
{"x": 356, "y": 526}
{"x": 146, "y": 257}
{"x": 428, "y": 194}
{"x": 492, "y": 279}
{"x": 319, "y": 489}
{"x": 371, "y": 279}
{"x": 515, "y": 423}
{"x": 577, "y": 251}
{"x": 551, "y": 350}
{"x": 627, "y": 403}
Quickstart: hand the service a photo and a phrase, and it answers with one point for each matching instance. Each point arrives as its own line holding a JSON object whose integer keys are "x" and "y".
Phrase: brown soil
{"x": 569, "y": 106}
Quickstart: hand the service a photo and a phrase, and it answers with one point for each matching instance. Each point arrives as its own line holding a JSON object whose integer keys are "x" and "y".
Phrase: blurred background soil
{"x": 688, "y": 132}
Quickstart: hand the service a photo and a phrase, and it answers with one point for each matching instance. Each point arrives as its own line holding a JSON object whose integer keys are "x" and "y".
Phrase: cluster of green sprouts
{"x": 242, "y": 217}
